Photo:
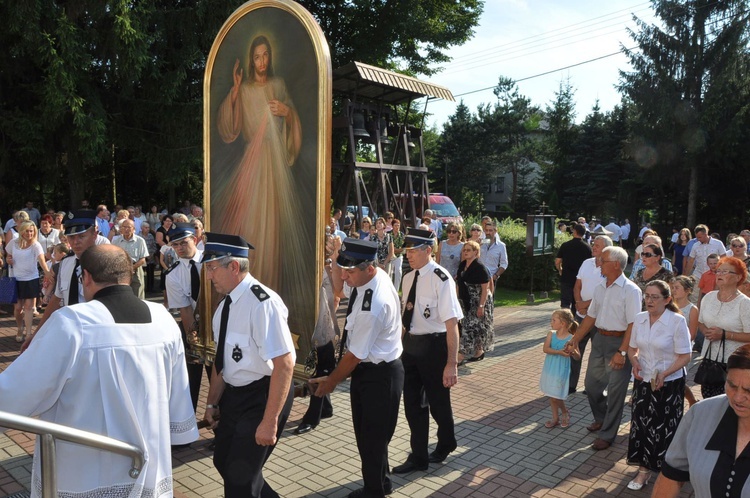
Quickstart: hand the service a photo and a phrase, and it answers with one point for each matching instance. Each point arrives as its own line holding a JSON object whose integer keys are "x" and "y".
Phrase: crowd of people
{"x": 419, "y": 304}
{"x": 645, "y": 328}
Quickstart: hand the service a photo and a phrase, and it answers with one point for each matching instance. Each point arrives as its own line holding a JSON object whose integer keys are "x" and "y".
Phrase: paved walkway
{"x": 504, "y": 448}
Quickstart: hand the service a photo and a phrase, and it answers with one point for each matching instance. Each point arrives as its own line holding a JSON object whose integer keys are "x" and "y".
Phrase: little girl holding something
{"x": 555, "y": 378}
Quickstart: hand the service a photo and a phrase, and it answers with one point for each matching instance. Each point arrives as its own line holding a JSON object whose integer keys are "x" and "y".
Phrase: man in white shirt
{"x": 136, "y": 247}
{"x": 373, "y": 358}
{"x": 250, "y": 394}
{"x": 434, "y": 224}
{"x": 493, "y": 255}
{"x": 615, "y": 304}
{"x": 696, "y": 264}
{"x": 588, "y": 279}
{"x": 616, "y": 231}
{"x": 625, "y": 233}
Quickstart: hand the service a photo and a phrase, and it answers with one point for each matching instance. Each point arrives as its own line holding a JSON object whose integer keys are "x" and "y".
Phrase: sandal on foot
{"x": 565, "y": 420}
{"x": 635, "y": 485}
{"x": 549, "y": 424}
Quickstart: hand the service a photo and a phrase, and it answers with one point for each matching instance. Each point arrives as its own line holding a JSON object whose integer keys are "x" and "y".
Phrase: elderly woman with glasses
{"x": 652, "y": 269}
{"x": 476, "y": 233}
{"x": 449, "y": 250}
{"x": 659, "y": 348}
{"x": 738, "y": 249}
{"x": 724, "y": 316}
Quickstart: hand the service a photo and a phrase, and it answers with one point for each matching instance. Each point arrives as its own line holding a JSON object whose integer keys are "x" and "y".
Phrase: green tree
{"x": 558, "y": 147}
{"x": 699, "y": 46}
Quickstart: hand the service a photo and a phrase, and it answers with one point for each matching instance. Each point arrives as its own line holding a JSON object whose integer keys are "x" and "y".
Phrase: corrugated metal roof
{"x": 365, "y": 81}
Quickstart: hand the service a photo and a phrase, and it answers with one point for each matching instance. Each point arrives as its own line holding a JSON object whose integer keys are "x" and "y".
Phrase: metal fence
{"x": 49, "y": 433}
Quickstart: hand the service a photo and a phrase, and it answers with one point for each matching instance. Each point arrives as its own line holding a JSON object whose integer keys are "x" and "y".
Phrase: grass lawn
{"x": 510, "y": 297}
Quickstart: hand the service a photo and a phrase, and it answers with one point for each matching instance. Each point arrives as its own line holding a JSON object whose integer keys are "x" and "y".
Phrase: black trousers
{"x": 318, "y": 408}
{"x": 375, "y": 398}
{"x": 237, "y": 457}
{"x": 424, "y": 360}
{"x": 567, "y": 297}
{"x": 575, "y": 365}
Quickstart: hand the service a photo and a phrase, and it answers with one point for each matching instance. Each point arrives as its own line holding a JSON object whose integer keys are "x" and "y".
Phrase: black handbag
{"x": 712, "y": 372}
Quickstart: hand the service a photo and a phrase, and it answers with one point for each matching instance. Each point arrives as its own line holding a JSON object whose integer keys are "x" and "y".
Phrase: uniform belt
{"x": 367, "y": 365}
{"x": 433, "y": 335}
{"x": 253, "y": 385}
{"x": 610, "y": 333}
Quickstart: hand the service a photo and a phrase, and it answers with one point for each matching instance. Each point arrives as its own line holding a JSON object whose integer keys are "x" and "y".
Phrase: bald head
{"x": 108, "y": 265}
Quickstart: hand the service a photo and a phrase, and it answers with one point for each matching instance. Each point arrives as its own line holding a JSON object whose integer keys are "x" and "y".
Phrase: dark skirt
{"x": 29, "y": 289}
{"x": 656, "y": 415}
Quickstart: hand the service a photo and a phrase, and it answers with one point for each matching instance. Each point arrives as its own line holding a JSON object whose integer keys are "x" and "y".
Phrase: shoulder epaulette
{"x": 367, "y": 300}
{"x": 259, "y": 292}
{"x": 174, "y": 265}
{"x": 440, "y": 273}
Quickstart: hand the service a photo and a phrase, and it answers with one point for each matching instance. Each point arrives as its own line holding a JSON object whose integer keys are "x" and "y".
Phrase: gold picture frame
{"x": 267, "y": 128}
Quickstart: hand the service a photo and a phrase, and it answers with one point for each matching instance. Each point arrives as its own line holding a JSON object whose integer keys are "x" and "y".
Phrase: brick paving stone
{"x": 504, "y": 450}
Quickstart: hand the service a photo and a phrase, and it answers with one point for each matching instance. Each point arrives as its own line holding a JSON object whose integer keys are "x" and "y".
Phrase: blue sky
{"x": 523, "y": 38}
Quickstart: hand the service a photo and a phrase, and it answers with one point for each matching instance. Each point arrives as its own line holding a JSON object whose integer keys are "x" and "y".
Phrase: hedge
{"x": 518, "y": 275}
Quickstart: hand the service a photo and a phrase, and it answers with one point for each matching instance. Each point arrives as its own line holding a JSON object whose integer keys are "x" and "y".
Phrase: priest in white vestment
{"x": 115, "y": 366}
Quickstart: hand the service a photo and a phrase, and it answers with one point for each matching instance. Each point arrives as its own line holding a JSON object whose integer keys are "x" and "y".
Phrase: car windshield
{"x": 445, "y": 210}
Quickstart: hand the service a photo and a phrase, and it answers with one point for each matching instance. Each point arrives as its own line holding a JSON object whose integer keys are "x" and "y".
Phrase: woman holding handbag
{"x": 724, "y": 317}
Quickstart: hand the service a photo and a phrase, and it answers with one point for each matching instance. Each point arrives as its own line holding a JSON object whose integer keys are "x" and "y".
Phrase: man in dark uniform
{"x": 372, "y": 335}
{"x": 430, "y": 318}
{"x": 251, "y": 380}
{"x": 183, "y": 283}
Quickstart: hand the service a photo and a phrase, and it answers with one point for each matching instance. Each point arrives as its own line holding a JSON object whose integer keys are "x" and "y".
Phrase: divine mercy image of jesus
{"x": 258, "y": 200}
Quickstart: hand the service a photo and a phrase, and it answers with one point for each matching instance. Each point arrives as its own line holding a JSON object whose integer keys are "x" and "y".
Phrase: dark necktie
{"x": 219, "y": 360}
{"x": 73, "y": 291}
{"x": 352, "y": 297}
{"x": 409, "y": 309}
{"x": 195, "y": 281}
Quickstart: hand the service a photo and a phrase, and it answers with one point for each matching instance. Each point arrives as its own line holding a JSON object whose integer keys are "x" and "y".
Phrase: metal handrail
{"x": 50, "y": 431}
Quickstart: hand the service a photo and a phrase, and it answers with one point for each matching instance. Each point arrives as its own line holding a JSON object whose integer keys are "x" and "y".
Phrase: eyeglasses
{"x": 652, "y": 297}
{"x": 452, "y": 231}
{"x": 724, "y": 272}
{"x": 648, "y": 255}
{"x": 214, "y": 268}
{"x": 476, "y": 230}
{"x": 181, "y": 243}
{"x": 738, "y": 245}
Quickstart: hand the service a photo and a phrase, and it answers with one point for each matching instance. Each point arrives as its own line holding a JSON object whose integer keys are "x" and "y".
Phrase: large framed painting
{"x": 267, "y": 120}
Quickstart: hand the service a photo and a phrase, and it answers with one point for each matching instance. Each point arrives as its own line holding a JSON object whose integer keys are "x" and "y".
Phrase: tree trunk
{"x": 692, "y": 193}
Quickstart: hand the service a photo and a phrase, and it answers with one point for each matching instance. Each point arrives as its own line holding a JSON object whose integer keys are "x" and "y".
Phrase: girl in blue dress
{"x": 555, "y": 377}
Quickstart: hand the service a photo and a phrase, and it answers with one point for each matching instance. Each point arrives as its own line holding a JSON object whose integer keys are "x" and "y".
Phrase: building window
{"x": 500, "y": 184}
{"x": 489, "y": 188}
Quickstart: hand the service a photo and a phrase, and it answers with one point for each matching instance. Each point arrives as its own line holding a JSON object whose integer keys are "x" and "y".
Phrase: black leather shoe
{"x": 438, "y": 456}
{"x": 360, "y": 493}
{"x": 304, "y": 428}
{"x": 409, "y": 466}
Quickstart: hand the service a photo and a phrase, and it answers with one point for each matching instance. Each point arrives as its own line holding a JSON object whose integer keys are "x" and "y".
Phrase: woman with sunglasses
{"x": 476, "y": 234}
{"x": 738, "y": 248}
{"x": 724, "y": 314}
{"x": 449, "y": 250}
{"x": 365, "y": 231}
{"x": 651, "y": 257}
